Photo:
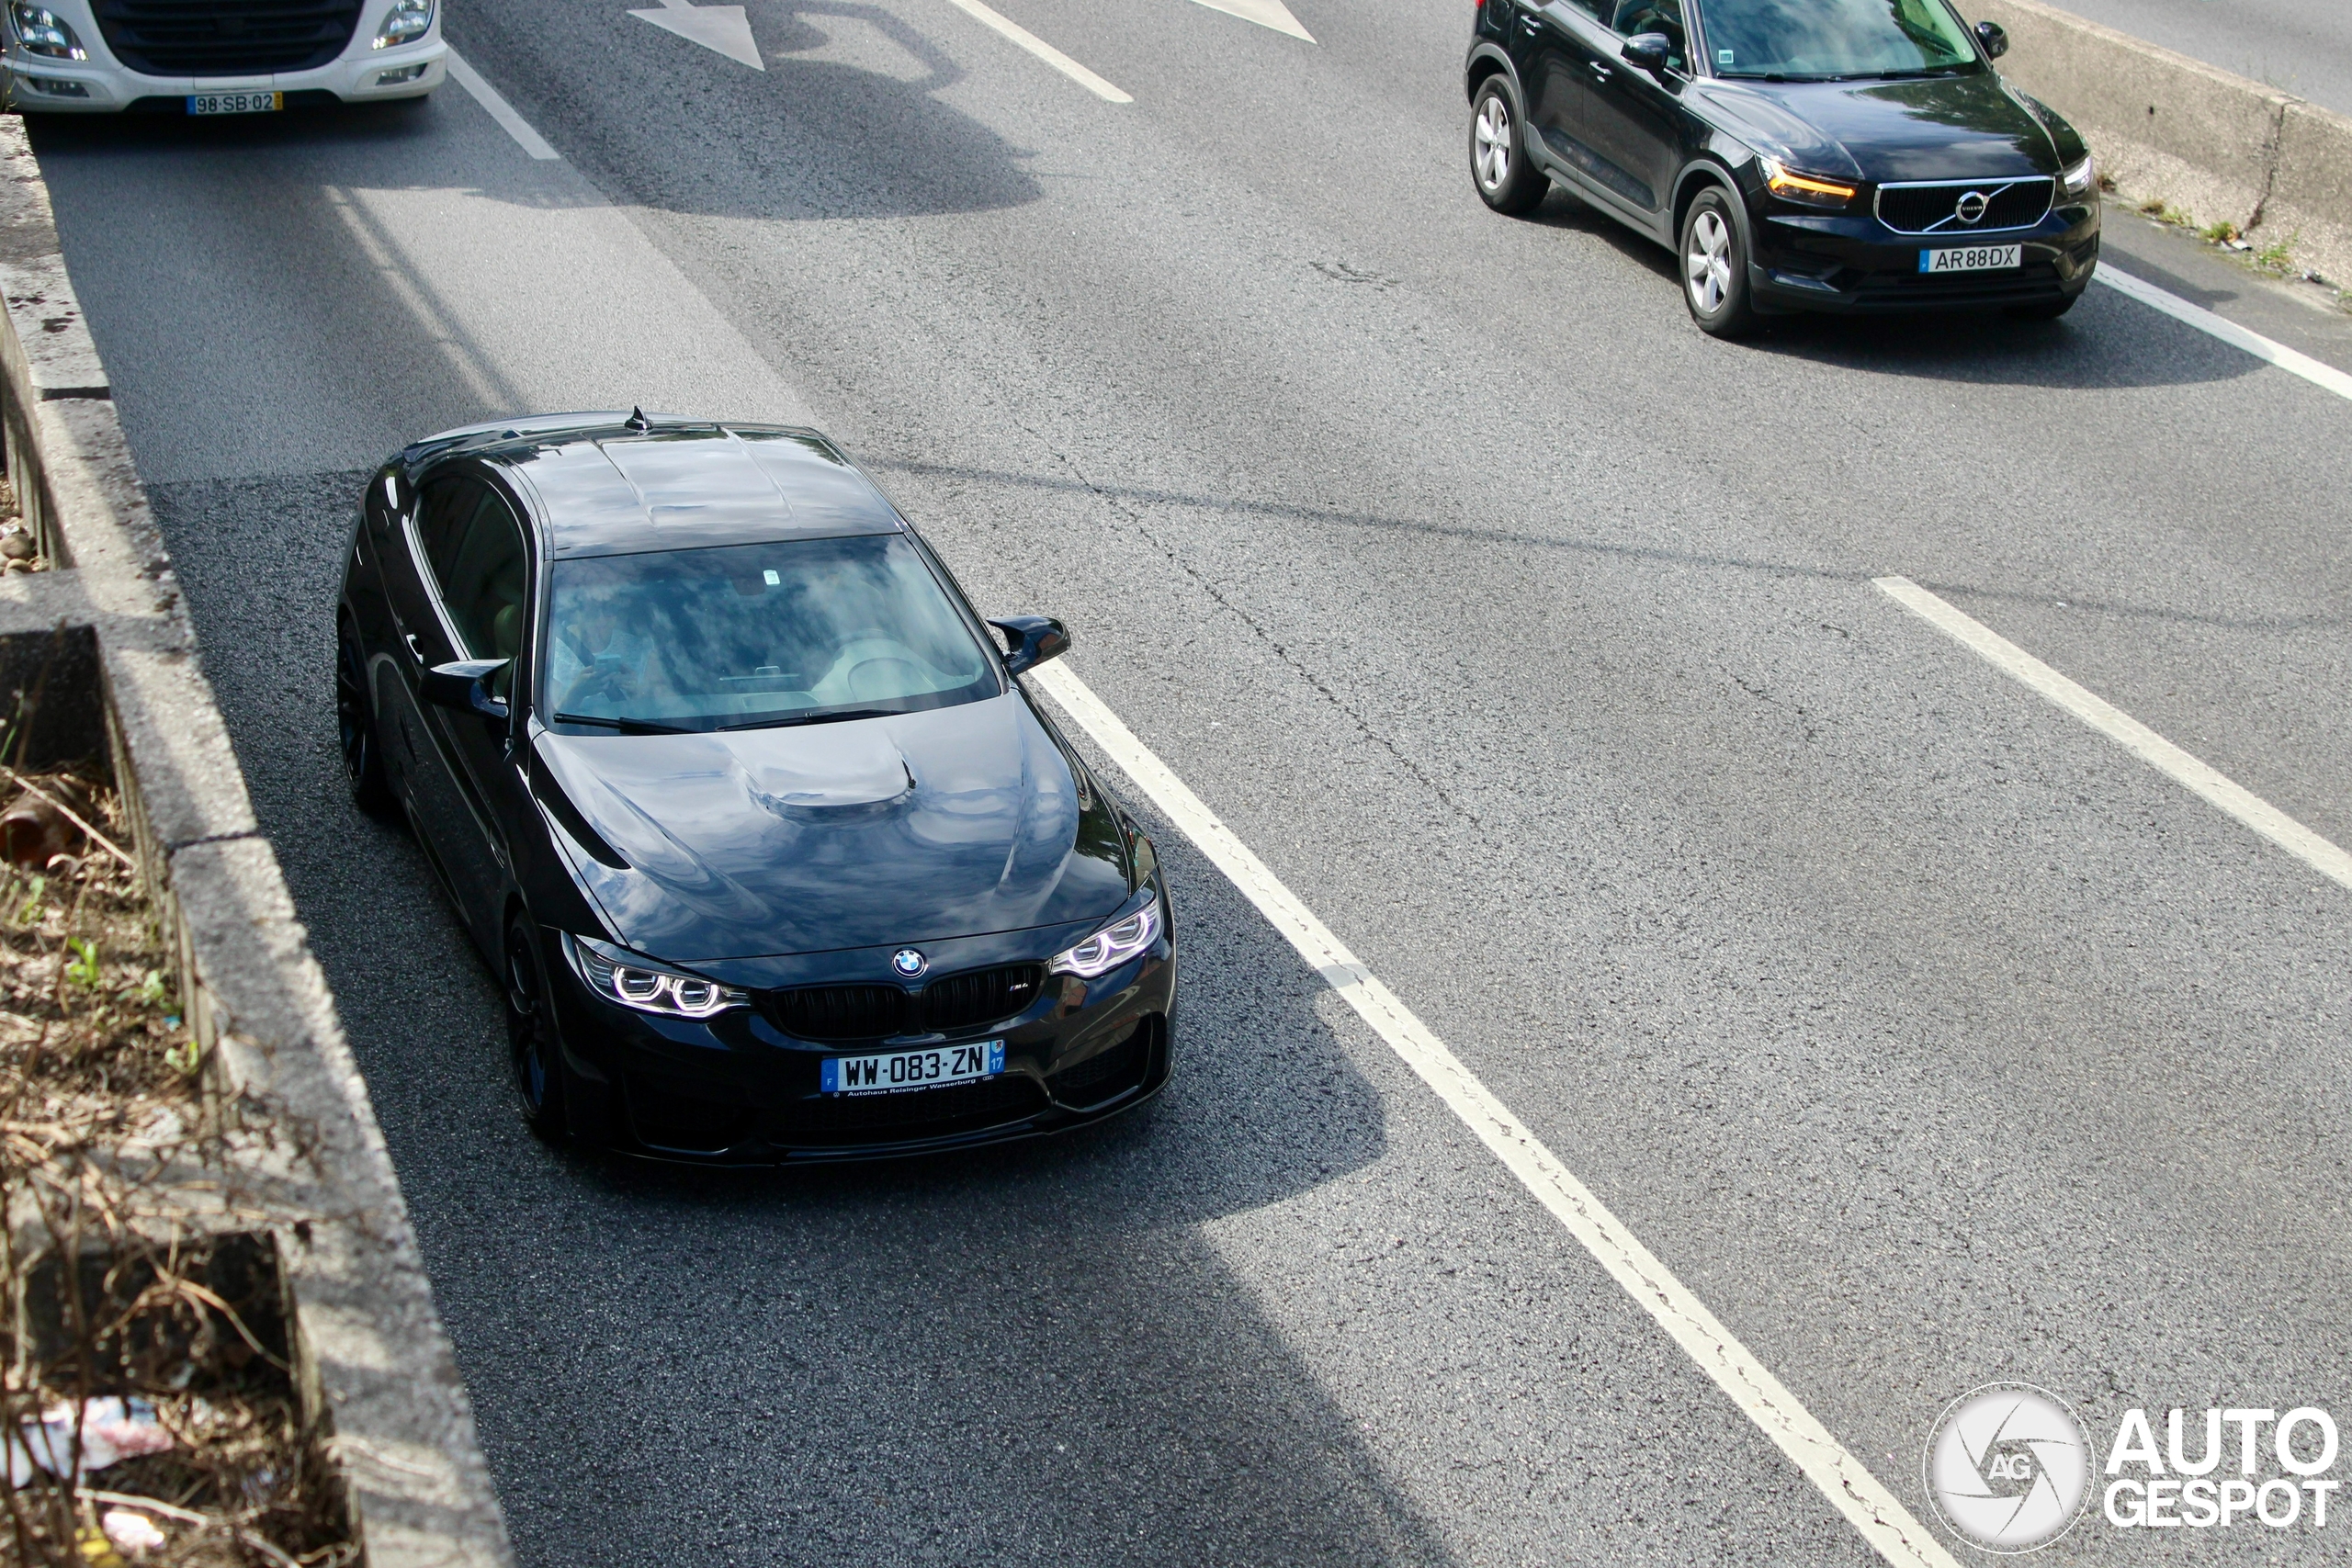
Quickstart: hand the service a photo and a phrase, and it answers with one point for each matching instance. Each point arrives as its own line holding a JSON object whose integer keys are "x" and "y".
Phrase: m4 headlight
{"x": 619, "y": 976}
{"x": 1127, "y": 937}
{"x": 405, "y": 23}
{"x": 1805, "y": 190}
{"x": 2082, "y": 178}
{"x": 41, "y": 33}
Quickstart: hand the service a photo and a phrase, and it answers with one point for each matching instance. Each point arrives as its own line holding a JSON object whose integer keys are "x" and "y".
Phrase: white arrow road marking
{"x": 1848, "y": 1485}
{"x": 1040, "y": 48}
{"x": 2319, "y": 853}
{"x": 722, "y": 27}
{"x": 1266, "y": 13}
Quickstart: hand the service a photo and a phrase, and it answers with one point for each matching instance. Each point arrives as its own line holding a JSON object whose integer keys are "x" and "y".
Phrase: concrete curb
{"x": 370, "y": 1343}
{"x": 2171, "y": 129}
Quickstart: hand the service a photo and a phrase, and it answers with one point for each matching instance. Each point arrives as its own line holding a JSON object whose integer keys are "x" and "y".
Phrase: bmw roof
{"x": 606, "y": 485}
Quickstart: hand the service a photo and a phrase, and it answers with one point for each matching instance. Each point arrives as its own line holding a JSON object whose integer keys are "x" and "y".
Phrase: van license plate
{"x": 236, "y": 103}
{"x": 1976, "y": 258}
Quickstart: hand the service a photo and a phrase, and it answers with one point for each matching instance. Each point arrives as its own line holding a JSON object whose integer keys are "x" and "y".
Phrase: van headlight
{"x": 41, "y": 33}
{"x": 405, "y": 23}
{"x": 2082, "y": 178}
{"x": 619, "y": 976}
{"x": 1122, "y": 939}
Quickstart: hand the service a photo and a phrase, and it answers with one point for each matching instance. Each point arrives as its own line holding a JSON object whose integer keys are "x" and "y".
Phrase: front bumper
{"x": 1853, "y": 265}
{"x": 739, "y": 1091}
{"x": 102, "y": 86}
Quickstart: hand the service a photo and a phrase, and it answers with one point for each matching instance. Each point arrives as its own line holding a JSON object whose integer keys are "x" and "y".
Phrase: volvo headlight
{"x": 617, "y": 975}
{"x": 1113, "y": 945}
{"x": 2082, "y": 179}
{"x": 404, "y": 23}
{"x": 41, "y": 33}
{"x": 1805, "y": 190}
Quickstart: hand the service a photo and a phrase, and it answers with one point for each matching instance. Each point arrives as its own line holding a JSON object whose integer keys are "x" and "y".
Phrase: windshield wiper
{"x": 792, "y": 719}
{"x": 626, "y": 726}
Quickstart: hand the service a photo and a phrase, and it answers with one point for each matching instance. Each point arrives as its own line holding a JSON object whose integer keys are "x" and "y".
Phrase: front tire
{"x": 1507, "y": 178}
{"x": 354, "y": 717}
{"x": 1715, "y": 266}
{"x": 534, "y": 1047}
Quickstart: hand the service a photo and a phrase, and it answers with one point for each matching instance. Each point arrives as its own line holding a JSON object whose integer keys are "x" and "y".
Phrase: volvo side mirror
{"x": 1648, "y": 52}
{"x": 1992, "y": 40}
{"x": 1036, "y": 638}
{"x": 465, "y": 686}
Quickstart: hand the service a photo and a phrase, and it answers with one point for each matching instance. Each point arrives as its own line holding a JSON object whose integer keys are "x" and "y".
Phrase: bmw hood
{"x": 923, "y": 826}
{"x": 1939, "y": 128}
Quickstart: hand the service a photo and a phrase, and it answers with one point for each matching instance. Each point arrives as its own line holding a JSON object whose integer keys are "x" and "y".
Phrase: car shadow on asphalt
{"x": 2106, "y": 341}
{"x": 1029, "y": 1354}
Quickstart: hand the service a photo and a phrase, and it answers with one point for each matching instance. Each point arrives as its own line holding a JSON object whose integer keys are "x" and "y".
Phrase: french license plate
{"x": 1975, "y": 258}
{"x": 236, "y": 103}
{"x": 894, "y": 1072}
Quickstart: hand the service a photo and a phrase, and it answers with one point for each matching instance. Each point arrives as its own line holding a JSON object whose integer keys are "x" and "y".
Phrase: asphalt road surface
{"x": 1530, "y": 636}
{"x": 2302, "y": 46}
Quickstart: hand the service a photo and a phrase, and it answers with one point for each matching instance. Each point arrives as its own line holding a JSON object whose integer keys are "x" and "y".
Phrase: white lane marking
{"x": 1842, "y": 1478}
{"x": 2229, "y": 332}
{"x": 724, "y": 28}
{"x": 1043, "y": 50}
{"x": 1266, "y": 13}
{"x": 2321, "y": 854}
{"x": 500, "y": 109}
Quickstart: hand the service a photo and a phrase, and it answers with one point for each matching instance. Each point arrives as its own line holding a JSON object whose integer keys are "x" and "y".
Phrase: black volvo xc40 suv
{"x": 746, "y": 808}
{"x": 1840, "y": 155}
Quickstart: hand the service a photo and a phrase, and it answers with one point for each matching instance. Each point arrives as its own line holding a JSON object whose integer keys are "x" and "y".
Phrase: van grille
{"x": 225, "y": 38}
{"x": 1935, "y": 209}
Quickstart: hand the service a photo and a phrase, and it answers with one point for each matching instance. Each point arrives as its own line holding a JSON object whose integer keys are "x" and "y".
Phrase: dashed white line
{"x": 1843, "y": 1478}
{"x": 1042, "y": 50}
{"x": 501, "y": 111}
{"x": 2229, "y": 332}
{"x": 2321, "y": 854}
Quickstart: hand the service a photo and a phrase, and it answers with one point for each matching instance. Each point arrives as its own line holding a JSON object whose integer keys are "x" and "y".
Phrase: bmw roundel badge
{"x": 909, "y": 963}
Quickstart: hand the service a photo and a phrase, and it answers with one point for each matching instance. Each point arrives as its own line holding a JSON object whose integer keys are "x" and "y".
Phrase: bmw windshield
{"x": 1831, "y": 41}
{"x": 744, "y": 636}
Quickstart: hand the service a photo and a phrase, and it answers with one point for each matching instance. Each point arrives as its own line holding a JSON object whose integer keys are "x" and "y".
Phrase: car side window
{"x": 1596, "y": 9}
{"x": 474, "y": 546}
{"x": 1637, "y": 17}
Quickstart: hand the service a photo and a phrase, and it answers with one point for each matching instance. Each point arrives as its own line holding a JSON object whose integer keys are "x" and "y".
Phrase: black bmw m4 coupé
{"x": 1841, "y": 155}
{"x": 742, "y": 801}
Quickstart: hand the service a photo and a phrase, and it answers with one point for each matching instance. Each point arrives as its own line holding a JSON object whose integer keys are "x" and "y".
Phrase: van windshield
{"x": 1826, "y": 41}
{"x": 749, "y": 636}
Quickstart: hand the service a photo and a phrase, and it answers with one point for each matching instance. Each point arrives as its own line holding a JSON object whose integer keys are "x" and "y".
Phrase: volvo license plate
{"x": 1974, "y": 258}
{"x": 236, "y": 103}
{"x": 893, "y": 1072}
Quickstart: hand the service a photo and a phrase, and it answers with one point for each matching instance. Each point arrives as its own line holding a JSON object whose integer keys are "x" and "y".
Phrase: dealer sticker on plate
{"x": 894, "y": 1071}
{"x": 236, "y": 103}
{"x": 1976, "y": 258}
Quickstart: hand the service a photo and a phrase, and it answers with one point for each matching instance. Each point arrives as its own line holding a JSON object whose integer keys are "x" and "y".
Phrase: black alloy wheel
{"x": 363, "y": 757}
{"x": 531, "y": 1037}
{"x": 1715, "y": 266}
{"x": 1507, "y": 178}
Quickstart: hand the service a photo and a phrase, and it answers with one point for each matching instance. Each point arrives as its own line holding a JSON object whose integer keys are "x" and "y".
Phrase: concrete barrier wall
{"x": 2167, "y": 127}
{"x": 371, "y": 1350}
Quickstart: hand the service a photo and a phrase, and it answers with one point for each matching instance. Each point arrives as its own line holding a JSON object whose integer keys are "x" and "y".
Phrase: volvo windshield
{"x": 750, "y": 636}
{"x": 1829, "y": 40}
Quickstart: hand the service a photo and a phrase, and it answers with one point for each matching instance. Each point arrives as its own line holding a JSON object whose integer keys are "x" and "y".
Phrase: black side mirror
{"x": 465, "y": 685}
{"x": 1647, "y": 51}
{"x": 1035, "y": 640}
{"x": 1992, "y": 40}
